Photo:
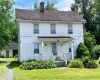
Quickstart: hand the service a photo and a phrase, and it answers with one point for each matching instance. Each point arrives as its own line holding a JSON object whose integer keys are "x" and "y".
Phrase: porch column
{"x": 72, "y": 46}
{"x": 43, "y": 50}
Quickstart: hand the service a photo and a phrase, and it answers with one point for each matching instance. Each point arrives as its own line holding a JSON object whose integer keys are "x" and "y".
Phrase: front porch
{"x": 56, "y": 48}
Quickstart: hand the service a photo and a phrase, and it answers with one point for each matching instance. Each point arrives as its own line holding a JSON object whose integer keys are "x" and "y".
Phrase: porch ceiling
{"x": 55, "y": 38}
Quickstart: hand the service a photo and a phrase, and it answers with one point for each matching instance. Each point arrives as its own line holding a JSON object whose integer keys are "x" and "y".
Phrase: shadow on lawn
{"x": 3, "y": 61}
{"x": 13, "y": 64}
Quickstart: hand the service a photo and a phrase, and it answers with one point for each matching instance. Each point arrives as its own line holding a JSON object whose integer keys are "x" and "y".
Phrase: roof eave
{"x": 20, "y": 20}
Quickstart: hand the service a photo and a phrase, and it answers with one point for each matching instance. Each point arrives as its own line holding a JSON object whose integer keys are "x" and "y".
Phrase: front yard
{"x": 57, "y": 74}
{"x": 54, "y": 74}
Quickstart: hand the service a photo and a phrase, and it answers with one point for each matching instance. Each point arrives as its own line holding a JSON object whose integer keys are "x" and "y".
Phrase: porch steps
{"x": 60, "y": 63}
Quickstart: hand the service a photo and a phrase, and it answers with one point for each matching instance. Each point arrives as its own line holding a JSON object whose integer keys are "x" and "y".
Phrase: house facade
{"x": 48, "y": 35}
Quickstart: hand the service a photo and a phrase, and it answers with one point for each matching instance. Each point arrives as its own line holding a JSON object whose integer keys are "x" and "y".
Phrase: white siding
{"x": 28, "y": 38}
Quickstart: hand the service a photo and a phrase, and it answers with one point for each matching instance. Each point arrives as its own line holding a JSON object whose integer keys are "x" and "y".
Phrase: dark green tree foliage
{"x": 89, "y": 40}
{"x": 6, "y": 21}
{"x": 97, "y": 20}
{"x": 82, "y": 51}
{"x": 96, "y": 51}
{"x": 85, "y": 8}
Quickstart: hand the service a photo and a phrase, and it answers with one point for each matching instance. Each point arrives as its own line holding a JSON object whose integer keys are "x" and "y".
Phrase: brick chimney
{"x": 42, "y": 7}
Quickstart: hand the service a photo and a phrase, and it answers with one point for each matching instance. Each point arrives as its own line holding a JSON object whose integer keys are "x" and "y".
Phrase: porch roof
{"x": 55, "y": 38}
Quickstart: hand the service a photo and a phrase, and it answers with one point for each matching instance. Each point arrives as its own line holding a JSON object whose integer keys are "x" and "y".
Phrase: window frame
{"x": 36, "y": 49}
{"x": 36, "y": 29}
{"x": 53, "y": 28}
{"x": 70, "y": 29}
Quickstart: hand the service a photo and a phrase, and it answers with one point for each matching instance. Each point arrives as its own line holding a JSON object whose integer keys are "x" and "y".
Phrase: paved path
{"x": 8, "y": 74}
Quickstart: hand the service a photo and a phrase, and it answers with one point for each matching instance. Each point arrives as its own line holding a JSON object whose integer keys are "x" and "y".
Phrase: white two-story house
{"x": 48, "y": 34}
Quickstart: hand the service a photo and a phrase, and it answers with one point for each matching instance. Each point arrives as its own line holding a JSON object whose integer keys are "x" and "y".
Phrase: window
{"x": 54, "y": 49}
{"x": 36, "y": 28}
{"x": 53, "y": 29}
{"x": 36, "y": 47}
{"x": 70, "y": 30}
{"x": 70, "y": 50}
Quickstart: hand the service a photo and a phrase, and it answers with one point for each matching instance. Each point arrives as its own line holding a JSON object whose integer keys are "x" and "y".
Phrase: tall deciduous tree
{"x": 49, "y": 5}
{"x": 89, "y": 40}
{"x": 97, "y": 20}
{"x": 85, "y": 8}
{"x": 6, "y": 22}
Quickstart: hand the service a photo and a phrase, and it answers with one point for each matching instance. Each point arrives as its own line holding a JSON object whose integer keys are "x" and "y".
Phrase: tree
{"x": 86, "y": 9}
{"x": 89, "y": 40}
{"x": 49, "y": 6}
{"x": 6, "y": 20}
{"x": 82, "y": 51}
{"x": 96, "y": 52}
{"x": 97, "y": 20}
{"x": 36, "y": 6}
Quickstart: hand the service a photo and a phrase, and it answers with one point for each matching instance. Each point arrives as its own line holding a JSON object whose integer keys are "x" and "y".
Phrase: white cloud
{"x": 64, "y": 5}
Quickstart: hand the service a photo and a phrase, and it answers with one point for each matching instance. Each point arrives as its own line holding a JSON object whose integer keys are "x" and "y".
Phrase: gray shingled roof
{"x": 48, "y": 15}
{"x": 13, "y": 46}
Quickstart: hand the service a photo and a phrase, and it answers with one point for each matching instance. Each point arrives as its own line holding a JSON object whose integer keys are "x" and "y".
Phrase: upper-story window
{"x": 70, "y": 29}
{"x": 36, "y": 28}
{"x": 53, "y": 29}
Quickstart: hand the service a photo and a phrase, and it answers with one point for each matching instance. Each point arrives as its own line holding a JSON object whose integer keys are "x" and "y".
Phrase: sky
{"x": 63, "y": 5}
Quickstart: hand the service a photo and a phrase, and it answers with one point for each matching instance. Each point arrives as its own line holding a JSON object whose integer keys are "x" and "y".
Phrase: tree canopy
{"x": 6, "y": 22}
{"x": 49, "y": 5}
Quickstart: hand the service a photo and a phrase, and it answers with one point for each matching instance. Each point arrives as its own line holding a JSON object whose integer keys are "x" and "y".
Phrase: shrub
{"x": 75, "y": 64}
{"x": 99, "y": 60}
{"x": 96, "y": 51}
{"x": 82, "y": 51}
{"x": 89, "y": 40}
{"x": 91, "y": 64}
{"x": 1, "y": 56}
{"x": 30, "y": 65}
{"x": 85, "y": 60}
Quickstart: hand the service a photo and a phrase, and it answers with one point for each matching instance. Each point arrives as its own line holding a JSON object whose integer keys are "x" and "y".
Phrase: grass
{"x": 55, "y": 74}
{"x": 3, "y": 62}
{"x": 2, "y": 66}
{"x": 8, "y": 59}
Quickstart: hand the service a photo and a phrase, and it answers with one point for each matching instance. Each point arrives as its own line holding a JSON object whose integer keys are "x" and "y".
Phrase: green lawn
{"x": 56, "y": 74}
{"x": 2, "y": 67}
{"x": 3, "y": 62}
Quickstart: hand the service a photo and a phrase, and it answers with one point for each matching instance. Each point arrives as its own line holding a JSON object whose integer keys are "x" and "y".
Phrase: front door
{"x": 54, "y": 48}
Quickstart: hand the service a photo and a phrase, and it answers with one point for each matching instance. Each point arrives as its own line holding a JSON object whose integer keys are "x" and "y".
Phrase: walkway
{"x": 8, "y": 74}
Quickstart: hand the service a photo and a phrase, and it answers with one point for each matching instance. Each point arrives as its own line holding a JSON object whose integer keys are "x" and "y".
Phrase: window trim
{"x": 54, "y": 27}
{"x": 35, "y": 28}
{"x": 36, "y": 48}
{"x": 70, "y": 29}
